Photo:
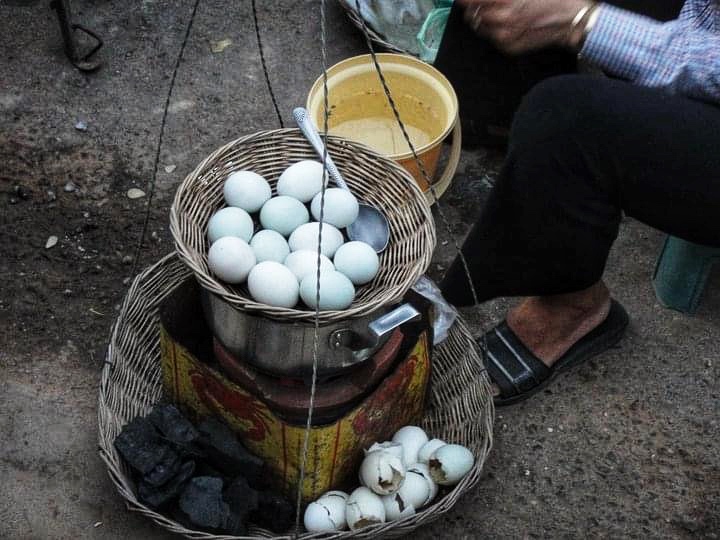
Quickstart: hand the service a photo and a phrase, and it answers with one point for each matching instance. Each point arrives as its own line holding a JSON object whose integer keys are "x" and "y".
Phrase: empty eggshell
{"x": 304, "y": 261}
{"x": 382, "y": 472}
{"x": 273, "y": 284}
{"x": 449, "y": 463}
{"x": 364, "y": 508}
{"x": 327, "y": 513}
{"x": 341, "y": 207}
{"x": 388, "y": 446}
{"x": 230, "y": 221}
{"x": 396, "y": 508}
{"x": 414, "y": 490}
{"x": 412, "y": 439}
{"x": 269, "y": 245}
{"x": 301, "y": 180}
{"x": 336, "y": 291}
{"x": 231, "y": 259}
{"x": 283, "y": 214}
{"x": 358, "y": 261}
{"x": 306, "y": 237}
{"x": 246, "y": 190}
{"x": 428, "y": 448}
{"x": 424, "y": 471}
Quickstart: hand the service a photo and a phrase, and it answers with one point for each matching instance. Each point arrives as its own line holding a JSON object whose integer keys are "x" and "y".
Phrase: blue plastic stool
{"x": 681, "y": 273}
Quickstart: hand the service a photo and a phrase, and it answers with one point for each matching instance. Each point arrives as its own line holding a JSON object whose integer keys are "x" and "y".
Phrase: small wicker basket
{"x": 372, "y": 178}
{"x": 460, "y": 408}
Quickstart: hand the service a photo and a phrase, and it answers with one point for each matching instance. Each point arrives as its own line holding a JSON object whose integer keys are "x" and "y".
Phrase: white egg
{"x": 364, "y": 508}
{"x": 396, "y": 508}
{"x": 449, "y": 463}
{"x": 327, "y": 513}
{"x": 230, "y": 221}
{"x": 246, "y": 190}
{"x": 303, "y": 262}
{"x": 273, "y": 284}
{"x": 301, "y": 180}
{"x": 231, "y": 259}
{"x": 358, "y": 261}
{"x": 336, "y": 291}
{"x": 412, "y": 438}
{"x": 283, "y": 215}
{"x": 341, "y": 207}
{"x": 424, "y": 471}
{"x": 269, "y": 245}
{"x": 415, "y": 490}
{"x": 382, "y": 472}
{"x": 428, "y": 448}
{"x": 388, "y": 446}
{"x": 306, "y": 237}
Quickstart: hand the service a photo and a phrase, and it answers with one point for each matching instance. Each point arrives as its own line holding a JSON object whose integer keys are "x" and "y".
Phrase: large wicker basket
{"x": 371, "y": 177}
{"x": 460, "y": 408}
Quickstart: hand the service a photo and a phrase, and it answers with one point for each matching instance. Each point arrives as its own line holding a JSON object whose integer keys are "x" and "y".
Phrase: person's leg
{"x": 582, "y": 149}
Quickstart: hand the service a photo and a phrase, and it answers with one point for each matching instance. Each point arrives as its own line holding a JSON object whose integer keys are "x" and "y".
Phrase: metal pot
{"x": 287, "y": 348}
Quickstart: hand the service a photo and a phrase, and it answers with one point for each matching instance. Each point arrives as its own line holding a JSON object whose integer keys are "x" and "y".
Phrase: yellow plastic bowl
{"x": 360, "y": 111}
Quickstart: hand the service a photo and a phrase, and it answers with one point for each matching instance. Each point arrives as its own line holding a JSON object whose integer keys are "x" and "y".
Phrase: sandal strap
{"x": 510, "y": 364}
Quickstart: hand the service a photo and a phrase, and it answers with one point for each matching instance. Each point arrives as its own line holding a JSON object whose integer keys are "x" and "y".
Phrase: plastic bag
{"x": 444, "y": 315}
{"x": 432, "y": 31}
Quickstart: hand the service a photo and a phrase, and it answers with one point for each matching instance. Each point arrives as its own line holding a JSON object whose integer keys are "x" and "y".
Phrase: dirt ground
{"x": 626, "y": 446}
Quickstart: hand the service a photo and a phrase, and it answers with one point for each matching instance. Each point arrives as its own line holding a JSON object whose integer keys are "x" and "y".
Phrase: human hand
{"x": 518, "y": 26}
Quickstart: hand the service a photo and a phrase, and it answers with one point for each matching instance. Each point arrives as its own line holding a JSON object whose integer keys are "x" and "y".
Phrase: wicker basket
{"x": 372, "y": 178}
{"x": 460, "y": 407}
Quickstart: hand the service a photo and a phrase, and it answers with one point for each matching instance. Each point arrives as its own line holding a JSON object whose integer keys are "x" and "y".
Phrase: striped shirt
{"x": 680, "y": 56}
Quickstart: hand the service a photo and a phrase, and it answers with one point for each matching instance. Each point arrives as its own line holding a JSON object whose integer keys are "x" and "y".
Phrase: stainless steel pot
{"x": 287, "y": 348}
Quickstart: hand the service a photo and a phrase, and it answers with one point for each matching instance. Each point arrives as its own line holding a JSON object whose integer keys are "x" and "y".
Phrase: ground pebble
{"x": 70, "y": 187}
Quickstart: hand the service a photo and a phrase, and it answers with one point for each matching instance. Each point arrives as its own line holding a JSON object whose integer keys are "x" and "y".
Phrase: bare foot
{"x": 550, "y": 325}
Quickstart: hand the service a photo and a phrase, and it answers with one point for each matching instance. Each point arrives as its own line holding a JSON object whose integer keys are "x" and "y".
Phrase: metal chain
{"x": 153, "y": 181}
{"x": 421, "y": 165}
{"x": 264, "y": 65}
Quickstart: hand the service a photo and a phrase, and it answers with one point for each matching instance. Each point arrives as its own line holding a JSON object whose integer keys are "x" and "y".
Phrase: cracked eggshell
{"x": 388, "y": 446}
{"x": 412, "y": 439}
{"x": 327, "y": 513}
{"x": 364, "y": 508}
{"x": 423, "y": 470}
{"x": 415, "y": 489}
{"x": 449, "y": 463}
{"x": 428, "y": 448}
{"x": 395, "y": 507}
{"x": 382, "y": 472}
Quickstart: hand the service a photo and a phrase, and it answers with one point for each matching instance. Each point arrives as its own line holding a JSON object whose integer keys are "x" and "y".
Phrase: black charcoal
{"x": 140, "y": 445}
{"x": 202, "y": 502}
{"x": 176, "y": 429}
{"x": 274, "y": 512}
{"x": 157, "y": 496}
{"x": 226, "y": 453}
{"x": 242, "y": 501}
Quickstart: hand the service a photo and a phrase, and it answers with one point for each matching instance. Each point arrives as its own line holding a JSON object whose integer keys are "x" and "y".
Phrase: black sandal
{"x": 519, "y": 373}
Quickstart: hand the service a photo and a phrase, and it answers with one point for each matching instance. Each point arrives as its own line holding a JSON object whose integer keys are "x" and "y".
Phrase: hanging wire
{"x": 153, "y": 181}
{"x": 264, "y": 64}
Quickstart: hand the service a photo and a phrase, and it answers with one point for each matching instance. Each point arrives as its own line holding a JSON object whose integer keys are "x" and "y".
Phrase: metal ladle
{"x": 371, "y": 226}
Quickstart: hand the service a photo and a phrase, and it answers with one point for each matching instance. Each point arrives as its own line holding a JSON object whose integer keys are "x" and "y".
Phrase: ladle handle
{"x": 306, "y": 126}
{"x": 390, "y": 321}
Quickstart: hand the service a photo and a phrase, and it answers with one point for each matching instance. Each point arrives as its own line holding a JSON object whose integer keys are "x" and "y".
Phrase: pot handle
{"x": 390, "y": 321}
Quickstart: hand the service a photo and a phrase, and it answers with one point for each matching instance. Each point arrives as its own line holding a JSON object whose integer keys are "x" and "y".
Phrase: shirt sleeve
{"x": 677, "y": 55}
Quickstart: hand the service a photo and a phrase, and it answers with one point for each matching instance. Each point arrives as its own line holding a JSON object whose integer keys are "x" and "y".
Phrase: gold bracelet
{"x": 582, "y": 15}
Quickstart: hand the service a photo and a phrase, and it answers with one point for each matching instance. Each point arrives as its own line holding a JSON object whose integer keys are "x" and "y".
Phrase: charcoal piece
{"x": 203, "y": 468}
{"x": 274, "y": 512}
{"x": 158, "y": 496}
{"x": 140, "y": 445}
{"x": 225, "y": 452}
{"x": 202, "y": 502}
{"x": 168, "y": 465}
{"x": 242, "y": 500}
{"x": 176, "y": 429}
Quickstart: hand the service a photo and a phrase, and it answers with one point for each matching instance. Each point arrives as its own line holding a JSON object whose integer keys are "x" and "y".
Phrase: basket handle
{"x": 451, "y": 165}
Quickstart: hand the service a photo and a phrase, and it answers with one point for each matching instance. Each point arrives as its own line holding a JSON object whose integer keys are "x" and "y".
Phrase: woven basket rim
{"x": 417, "y": 203}
{"x": 107, "y": 404}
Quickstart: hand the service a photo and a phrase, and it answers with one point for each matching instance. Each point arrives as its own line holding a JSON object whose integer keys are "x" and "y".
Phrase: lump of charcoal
{"x": 242, "y": 500}
{"x": 225, "y": 452}
{"x": 274, "y": 512}
{"x": 175, "y": 428}
{"x": 143, "y": 449}
{"x": 157, "y": 496}
{"x": 202, "y": 502}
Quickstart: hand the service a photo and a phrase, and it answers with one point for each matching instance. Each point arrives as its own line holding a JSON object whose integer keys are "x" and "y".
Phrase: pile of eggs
{"x": 279, "y": 262}
{"x": 398, "y": 477}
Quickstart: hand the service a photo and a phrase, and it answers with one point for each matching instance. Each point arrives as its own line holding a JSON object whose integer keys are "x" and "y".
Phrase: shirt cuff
{"x": 621, "y": 42}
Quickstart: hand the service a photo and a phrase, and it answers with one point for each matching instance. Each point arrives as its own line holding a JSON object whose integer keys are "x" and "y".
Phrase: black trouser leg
{"x": 490, "y": 84}
{"x": 583, "y": 149}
